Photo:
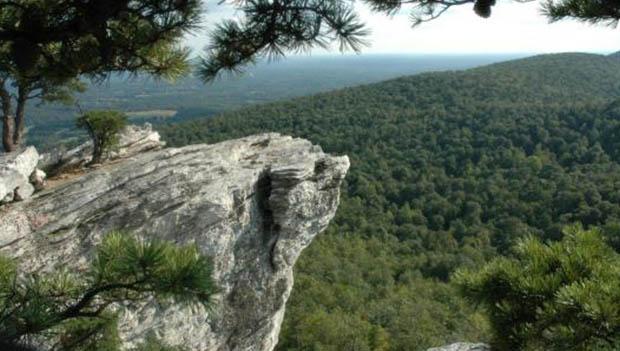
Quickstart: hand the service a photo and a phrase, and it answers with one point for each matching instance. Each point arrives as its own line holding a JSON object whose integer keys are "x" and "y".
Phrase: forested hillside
{"x": 158, "y": 101}
{"x": 448, "y": 169}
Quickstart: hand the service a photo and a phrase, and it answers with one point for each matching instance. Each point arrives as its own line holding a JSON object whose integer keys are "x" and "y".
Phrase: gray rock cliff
{"x": 253, "y": 204}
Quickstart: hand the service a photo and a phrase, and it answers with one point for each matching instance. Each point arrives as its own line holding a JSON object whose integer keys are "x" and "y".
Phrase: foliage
{"x": 46, "y": 46}
{"x": 273, "y": 28}
{"x": 103, "y": 128}
{"x": 606, "y": 12}
{"x": 73, "y": 310}
{"x": 63, "y": 39}
{"x": 448, "y": 170}
{"x": 555, "y": 296}
{"x": 356, "y": 293}
{"x": 90, "y": 334}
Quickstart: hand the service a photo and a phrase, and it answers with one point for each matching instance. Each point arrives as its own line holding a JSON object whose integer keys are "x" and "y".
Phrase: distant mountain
{"x": 615, "y": 55}
{"x": 161, "y": 101}
{"x": 570, "y": 74}
{"x": 448, "y": 170}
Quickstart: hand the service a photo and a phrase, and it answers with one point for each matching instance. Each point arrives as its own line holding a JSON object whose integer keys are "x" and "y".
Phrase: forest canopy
{"x": 448, "y": 171}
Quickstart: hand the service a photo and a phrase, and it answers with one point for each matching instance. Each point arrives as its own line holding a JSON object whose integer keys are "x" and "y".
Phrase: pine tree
{"x": 558, "y": 296}
{"x": 270, "y": 28}
{"x": 103, "y": 128}
{"x": 73, "y": 311}
{"x": 47, "y": 45}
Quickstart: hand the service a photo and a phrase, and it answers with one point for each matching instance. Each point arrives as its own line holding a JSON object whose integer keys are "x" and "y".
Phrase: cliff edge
{"x": 252, "y": 204}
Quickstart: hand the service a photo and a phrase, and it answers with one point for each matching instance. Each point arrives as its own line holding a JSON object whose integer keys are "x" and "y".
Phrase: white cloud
{"x": 513, "y": 28}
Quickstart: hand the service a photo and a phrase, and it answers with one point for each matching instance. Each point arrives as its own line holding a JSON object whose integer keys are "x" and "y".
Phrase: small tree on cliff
{"x": 47, "y": 45}
{"x": 103, "y": 128}
{"x": 72, "y": 310}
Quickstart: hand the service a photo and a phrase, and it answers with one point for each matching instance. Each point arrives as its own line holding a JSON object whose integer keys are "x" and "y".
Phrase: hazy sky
{"x": 513, "y": 28}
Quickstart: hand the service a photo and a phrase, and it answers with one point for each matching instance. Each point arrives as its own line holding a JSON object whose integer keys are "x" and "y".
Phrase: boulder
{"x": 10, "y": 179}
{"x": 15, "y": 170}
{"x": 37, "y": 178}
{"x": 8, "y": 198}
{"x": 24, "y": 192}
{"x": 24, "y": 161}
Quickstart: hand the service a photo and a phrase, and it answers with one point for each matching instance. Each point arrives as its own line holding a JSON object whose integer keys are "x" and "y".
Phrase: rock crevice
{"x": 252, "y": 204}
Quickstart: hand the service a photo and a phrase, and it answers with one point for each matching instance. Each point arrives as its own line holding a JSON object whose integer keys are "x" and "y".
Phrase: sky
{"x": 512, "y": 28}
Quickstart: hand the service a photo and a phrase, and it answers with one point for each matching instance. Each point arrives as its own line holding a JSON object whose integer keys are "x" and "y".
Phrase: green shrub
{"x": 103, "y": 127}
{"x": 559, "y": 296}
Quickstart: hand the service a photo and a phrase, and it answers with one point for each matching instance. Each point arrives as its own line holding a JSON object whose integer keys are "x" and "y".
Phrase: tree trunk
{"x": 97, "y": 150}
{"x": 22, "y": 97}
{"x": 7, "y": 133}
{"x": 8, "y": 122}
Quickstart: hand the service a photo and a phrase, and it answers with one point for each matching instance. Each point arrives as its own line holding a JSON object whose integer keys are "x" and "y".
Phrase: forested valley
{"x": 448, "y": 170}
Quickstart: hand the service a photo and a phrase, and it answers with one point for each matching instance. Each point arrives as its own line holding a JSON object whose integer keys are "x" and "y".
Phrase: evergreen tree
{"x": 103, "y": 128}
{"x": 47, "y": 45}
{"x": 72, "y": 311}
{"x": 270, "y": 28}
{"x": 559, "y": 296}
{"x": 604, "y": 11}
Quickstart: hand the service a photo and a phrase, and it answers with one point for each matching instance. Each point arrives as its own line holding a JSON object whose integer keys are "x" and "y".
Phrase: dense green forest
{"x": 157, "y": 101}
{"x": 448, "y": 170}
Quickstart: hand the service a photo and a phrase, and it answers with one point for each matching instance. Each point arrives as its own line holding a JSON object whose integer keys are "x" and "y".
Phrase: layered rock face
{"x": 132, "y": 140}
{"x": 252, "y": 204}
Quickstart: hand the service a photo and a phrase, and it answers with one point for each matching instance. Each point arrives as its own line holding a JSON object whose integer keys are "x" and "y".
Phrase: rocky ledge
{"x": 253, "y": 204}
{"x": 133, "y": 140}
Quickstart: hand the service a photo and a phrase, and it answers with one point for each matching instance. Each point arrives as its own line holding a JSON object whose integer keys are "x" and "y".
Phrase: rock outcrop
{"x": 17, "y": 171}
{"x": 462, "y": 346}
{"x": 133, "y": 140}
{"x": 251, "y": 204}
